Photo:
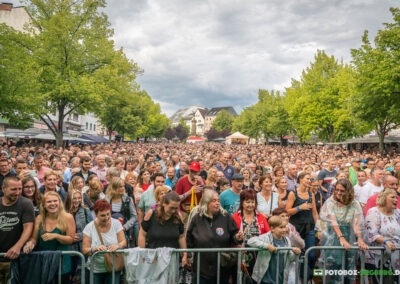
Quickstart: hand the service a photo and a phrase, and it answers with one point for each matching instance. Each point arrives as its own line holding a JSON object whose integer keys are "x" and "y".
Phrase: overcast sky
{"x": 220, "y": 52}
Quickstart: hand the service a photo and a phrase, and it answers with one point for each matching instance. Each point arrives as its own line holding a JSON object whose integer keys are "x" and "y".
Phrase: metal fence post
{"x": 239, "y": 268}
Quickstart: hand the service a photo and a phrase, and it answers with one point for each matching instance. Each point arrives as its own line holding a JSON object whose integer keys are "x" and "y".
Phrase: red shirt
{"x": 184, "y": 186}
{"x": 261, "y": 220}
{"x": 372, "y": 203}
{"x": 145, "y": 186}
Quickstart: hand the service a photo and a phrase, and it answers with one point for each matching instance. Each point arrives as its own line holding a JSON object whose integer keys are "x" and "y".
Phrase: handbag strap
{"x": 98, "y": 233}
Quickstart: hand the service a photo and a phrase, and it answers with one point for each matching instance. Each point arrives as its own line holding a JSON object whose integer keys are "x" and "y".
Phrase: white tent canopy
{"x": 237, "y": 138}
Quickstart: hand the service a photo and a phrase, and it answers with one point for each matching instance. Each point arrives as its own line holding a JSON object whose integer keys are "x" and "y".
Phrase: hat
{"x": 348, "y": 165}
{"x": 356, "y": 160}
{"x": 194, "y": 166}
{"x": 237, "y": 176}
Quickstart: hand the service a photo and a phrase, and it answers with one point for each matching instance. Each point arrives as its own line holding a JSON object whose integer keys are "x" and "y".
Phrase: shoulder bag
{"x": 108, "y": 257}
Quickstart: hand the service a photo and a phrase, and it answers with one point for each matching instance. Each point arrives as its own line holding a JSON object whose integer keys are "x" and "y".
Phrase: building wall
{"x": 15, "y": 17}
{"x": 208, "y": 122}
{"x": 199, "y": 123}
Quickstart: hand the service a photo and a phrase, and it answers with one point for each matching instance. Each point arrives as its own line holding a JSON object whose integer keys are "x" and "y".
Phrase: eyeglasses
{"x": 29, "y": 186}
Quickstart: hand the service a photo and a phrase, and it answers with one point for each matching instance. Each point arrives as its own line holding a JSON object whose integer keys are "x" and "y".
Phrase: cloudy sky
{"x": 220, "y": 52}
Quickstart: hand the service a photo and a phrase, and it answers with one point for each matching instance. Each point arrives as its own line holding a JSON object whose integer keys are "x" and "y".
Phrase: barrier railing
{"x": 72, "y": 253}
{"x": 198, "y": 252}
{"x": 363, "y": 273}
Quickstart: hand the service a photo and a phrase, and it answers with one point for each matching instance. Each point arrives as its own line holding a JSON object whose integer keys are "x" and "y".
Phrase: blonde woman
{"x": 74, "y": 205}
{"x": 159, "y": 193}
{"x": 54, "y": 229}
{"x": 122, "y": 207}
{"x": 77, "y": 183}
{"x": 211, "y": 177}
{"x": 247, "y": 178}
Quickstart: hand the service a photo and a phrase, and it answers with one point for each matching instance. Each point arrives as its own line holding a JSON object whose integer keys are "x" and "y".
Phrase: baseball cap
{"x": 194, "y": 166}
{"x": 237, "y": 177}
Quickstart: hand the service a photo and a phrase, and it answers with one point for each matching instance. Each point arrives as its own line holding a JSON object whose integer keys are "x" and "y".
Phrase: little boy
{"x": 267, "y": 261}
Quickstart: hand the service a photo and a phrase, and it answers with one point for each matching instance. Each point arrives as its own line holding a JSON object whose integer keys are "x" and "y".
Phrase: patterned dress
{"x": 378, "y": 225}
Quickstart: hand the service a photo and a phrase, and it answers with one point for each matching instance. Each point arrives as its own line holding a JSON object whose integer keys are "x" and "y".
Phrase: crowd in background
{"x": 110, "y": 197}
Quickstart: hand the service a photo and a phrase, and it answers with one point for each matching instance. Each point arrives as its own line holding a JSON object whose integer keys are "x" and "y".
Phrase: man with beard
{"x": 16, "y": 223}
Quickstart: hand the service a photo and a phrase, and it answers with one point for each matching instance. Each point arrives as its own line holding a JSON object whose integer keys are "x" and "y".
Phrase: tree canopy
{"x": 223, "y": 121}
{"x": 71, "y": 66}
{"x": 377, "y": 99}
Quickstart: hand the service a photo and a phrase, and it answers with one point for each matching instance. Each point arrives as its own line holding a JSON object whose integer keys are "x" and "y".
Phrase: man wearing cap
{"x": 230, "y": 198}
{"x": 355, "y": 167}
{"x": 188, "y": 185}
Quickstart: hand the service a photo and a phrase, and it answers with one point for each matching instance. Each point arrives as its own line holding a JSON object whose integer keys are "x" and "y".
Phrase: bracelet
{"x": 357, "y": 237}
{"x": 91, "y": 251}
{"x": 298, "y": 208}
{"x": 120, "y": 246}
{"x": 340, "y": 236}
{"x": 184, "y": 196}
{"x": 385, "y": 241}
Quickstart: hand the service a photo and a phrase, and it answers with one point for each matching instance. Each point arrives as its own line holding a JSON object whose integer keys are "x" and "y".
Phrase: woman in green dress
{"x": 54, "y": 230}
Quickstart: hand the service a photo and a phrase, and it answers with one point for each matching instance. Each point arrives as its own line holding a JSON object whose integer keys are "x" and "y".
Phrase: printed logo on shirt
{"x": 8, "y": 223}
{"x": 219, "y": 231}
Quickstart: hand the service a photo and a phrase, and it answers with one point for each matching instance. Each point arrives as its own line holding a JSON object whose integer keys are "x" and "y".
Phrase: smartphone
{"x": 33, "y": 173}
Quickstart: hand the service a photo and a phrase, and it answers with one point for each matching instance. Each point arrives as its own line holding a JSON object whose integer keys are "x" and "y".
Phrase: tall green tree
{"x": 316, "y": 103}
{"x": 245, "y": 123}
{"x": 184, "y": 125}
{"x": 223, "y": 121}
{"x": 377, "y": 100}
{"x": 74, "y": 43}
{"x": 18, "y": 85}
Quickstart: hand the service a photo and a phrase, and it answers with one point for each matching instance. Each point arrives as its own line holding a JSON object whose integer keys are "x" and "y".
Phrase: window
{"x": 87, "y": 125}
{"x": 75, "y": 117}
{"x": 94, "y": 127}
{"x": 90, "y": 126}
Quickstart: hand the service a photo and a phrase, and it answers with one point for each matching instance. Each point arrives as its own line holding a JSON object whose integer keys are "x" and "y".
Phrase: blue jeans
{"x": 310, "y": 241}
{"x": 106, "y": 278}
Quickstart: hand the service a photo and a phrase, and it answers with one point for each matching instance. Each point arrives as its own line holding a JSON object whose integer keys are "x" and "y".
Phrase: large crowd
{"x": 109, "y": 197}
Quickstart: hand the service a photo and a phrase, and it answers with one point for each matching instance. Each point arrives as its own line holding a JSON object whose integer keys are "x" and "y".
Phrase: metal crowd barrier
{"x": 216, "y": 250}
{"x": 363, "y": 277}
{"x": 72, "y": 253}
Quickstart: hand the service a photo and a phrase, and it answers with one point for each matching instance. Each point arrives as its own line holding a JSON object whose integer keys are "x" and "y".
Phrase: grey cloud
{"x": 217, "y": 53}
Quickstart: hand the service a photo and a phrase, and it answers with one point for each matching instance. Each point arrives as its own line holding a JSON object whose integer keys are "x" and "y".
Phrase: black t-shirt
{"x": 162, "y": 235}
{"x": 12, "y": 219}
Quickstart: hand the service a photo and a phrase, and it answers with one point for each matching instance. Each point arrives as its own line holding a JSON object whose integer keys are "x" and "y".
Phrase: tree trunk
{"x": 59, "y": 138}
{"x": 281, "y": 140}
{"x": 109, "y": 134}
{"x": 381, "y": 131}
{"x": 59, "y": 130}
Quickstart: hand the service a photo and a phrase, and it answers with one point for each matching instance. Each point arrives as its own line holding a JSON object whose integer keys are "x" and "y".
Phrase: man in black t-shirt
{"x": 16, "y": 222}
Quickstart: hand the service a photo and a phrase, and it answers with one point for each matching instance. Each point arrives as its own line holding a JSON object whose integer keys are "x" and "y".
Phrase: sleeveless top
{"x": 303, "y": 220}
{"x": 55, "y": 245}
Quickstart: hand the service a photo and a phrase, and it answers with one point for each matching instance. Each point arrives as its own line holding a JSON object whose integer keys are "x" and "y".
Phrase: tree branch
{"x": 72, "y": 109}
{"x": 48, "y": 125}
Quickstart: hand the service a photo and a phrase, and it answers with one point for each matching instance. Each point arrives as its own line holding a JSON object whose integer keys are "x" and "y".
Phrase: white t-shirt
{"x": 372, "y": 189}
{"x": 109, "y": 238}
{"x": 361, "y": 193}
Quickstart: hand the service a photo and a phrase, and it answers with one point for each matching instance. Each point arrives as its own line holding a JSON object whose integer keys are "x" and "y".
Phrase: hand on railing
{"x": 296, "y": 250}
{"x": 28, "y": 247}
{"x": 391, "y": 245}
{"x": 344, "y": 243}
{"x": 362, "y": 245}
{"x": 271, "y": 248}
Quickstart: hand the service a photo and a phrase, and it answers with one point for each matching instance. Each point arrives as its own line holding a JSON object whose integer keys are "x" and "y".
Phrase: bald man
{"x": 388, "y": 182}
